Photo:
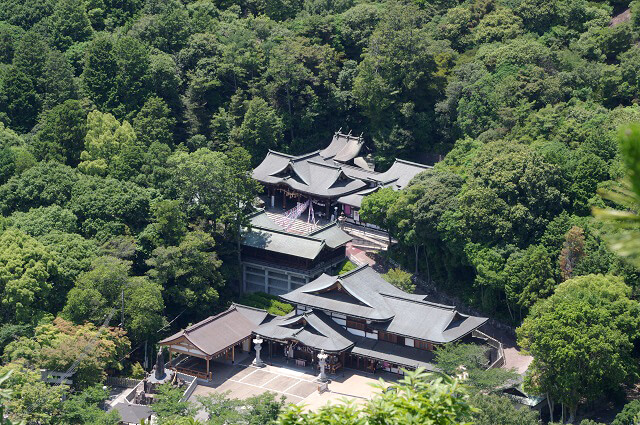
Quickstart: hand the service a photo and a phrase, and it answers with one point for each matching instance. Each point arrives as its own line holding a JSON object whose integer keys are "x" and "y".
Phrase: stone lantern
{"x": 257, "y": 341}
{"x": 322, "y": 361}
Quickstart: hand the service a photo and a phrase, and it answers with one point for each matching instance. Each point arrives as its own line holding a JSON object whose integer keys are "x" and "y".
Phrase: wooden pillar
{"x": 233, "y": 354}
{"x": 208, "y": 376}
{"x": 284, "y": 201}
{"x": 170, "y": 357}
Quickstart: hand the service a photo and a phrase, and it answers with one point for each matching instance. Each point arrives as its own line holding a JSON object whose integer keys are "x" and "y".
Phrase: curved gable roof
{"x": 216, "y": 333}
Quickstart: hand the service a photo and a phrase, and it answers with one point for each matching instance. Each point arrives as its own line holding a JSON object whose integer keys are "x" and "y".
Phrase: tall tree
{"x": 110, "y": 147}
{"x": 582, "y": 339}
{"x": 100, "y": 71}
{"x": 61, "y": 134}
{"x": 69, "y": 23}
{"x": 27, "y": 272}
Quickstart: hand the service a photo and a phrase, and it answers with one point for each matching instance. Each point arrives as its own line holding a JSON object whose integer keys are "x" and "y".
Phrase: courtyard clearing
{"x": 297, "y": 385}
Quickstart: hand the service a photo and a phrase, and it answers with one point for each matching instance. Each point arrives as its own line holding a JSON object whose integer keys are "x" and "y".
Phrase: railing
{"x": 193, "y": 372}
{"x": 118, "y": 381}
{"x": 190, "y": 389}
{"x": 492, "y": 342}
{"x": 53, "y": 377}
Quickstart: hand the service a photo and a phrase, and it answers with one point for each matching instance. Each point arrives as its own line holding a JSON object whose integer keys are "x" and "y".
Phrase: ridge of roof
{"x": 322, "y": 228}
{"x": 262, "y": 310}
{"x": 284, "y": 232}
{"x": 416, "y": 164}
{"x": 422, "y": 302}
{"x": 305, "y": 155}
{"x": 286, "y": 155}
{"x": 354, "y": 271}
{"x": 324, "y": 164}
{"x": 333, "y": 283}
{"x": 207, "y": 320}
{"x": 353, "y": 167}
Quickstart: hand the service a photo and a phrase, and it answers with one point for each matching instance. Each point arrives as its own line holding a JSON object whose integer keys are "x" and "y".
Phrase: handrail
{"x": 193, "y": 372}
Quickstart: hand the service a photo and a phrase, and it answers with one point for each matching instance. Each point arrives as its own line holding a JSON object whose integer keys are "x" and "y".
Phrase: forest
{"x": 129, "y": 128}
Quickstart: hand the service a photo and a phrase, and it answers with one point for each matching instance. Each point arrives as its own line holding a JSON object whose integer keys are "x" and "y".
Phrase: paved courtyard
{"x": 297, "y": 385}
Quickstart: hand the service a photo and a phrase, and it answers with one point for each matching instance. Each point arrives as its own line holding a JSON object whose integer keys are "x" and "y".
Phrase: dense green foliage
{"x": 268, "y": 302}
{"x": 128, "y": 130}
{"x": 472, "y": 360}
{"x": 582, "y": 340}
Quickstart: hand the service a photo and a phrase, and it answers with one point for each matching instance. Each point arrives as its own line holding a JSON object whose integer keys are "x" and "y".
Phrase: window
{"x": 297, "y": 282}
{"x": 386, "y": 336}
{"x": 356, "y": 323}
{"x": 255, "y": 280}
{"x": 423, "y": 345}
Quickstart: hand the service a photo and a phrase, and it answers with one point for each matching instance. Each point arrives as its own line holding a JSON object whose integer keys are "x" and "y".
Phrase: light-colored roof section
{"x": 361, "y": 297}
{"x": 428, "y": 321}
{"x": 313, "y": 329}
{"x": 332, "y": 235}
{"x": 355, "y": 199}
{"x": 262, "y": 220}
{"x": 343, "y": 147}
{"x": 328, "y": 174}
{"x": 266, "y": 234}
{"x": 309, "y": 174}
{"x": 215, "y": 333}
{"x": 132, "y": 413}
{"x": 283, "y": 242}
{"x": 403, "y": 171}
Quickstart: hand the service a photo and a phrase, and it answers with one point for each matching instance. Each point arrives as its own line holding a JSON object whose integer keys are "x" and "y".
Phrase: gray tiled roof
{"x": 364, "y": 293}
{"x": 283, "y": 242}
{"x": 355, "y": 199}
{"x": 343, "y": 147}
{"x": 218, "y": 332}
{"x": 326, "y": 173}
{"x": 332, "y": 235}
{"x": 260, "y": 219}
{"x": 309, "y": 174}
{"x": 313, "y": 329}
{"x": 393, "y": 353}
{"x": 266, "y": 234}
{"x": 132, "y": 413}
{"x": 402, "y": 172}
{"x": 428, "y": 321}
{"x": 358, "y": 294}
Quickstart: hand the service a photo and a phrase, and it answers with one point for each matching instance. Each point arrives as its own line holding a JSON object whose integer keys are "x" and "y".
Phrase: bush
{"x": 346, "y": 266}
{"x": 137, "y": 371}
{"x": 267, "y": 302}
{"x": 629, "y": 414}
{"x": 400, "y": 279}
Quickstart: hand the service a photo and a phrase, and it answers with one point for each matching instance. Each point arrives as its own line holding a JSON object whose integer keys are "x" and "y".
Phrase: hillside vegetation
{"x": 128, "y": 129}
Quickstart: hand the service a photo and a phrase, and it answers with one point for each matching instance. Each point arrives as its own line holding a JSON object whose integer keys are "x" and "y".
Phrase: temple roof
{"x": 393, "y": 353}
{"x": 364, "y": 293}
{"x": 216, "y": 333}
{"x": 267, "y": 235}
{"x": 132, "y": 413}
{"x": 332, "y": 172}
{"x": 343, "y": 147}
{"x": 313, "y": 329}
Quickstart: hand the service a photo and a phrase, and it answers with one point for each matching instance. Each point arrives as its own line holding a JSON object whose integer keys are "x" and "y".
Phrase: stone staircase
{"x": 367, "y": 239}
